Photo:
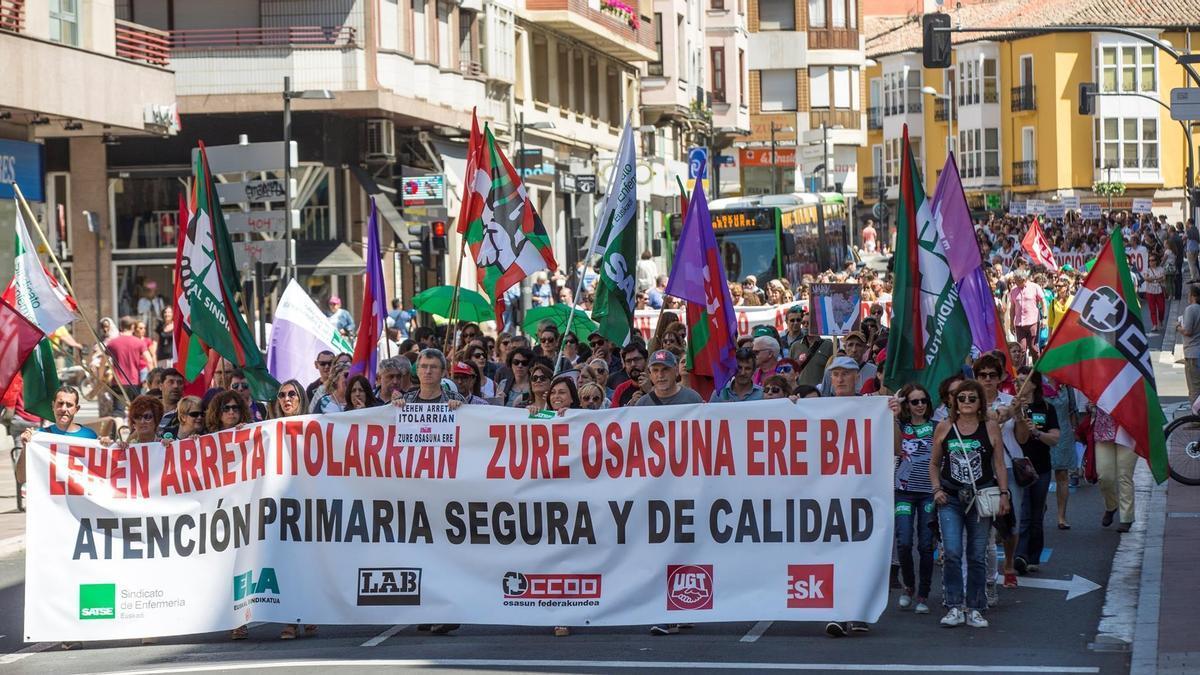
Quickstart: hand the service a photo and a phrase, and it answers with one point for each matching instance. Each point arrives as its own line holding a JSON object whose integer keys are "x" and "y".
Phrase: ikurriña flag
{"x": 1100, "y": 348}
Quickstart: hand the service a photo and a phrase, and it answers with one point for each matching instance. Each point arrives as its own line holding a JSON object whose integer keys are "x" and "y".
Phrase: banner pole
{"x": 24, "y": 206}
{"x": 453, "y": 323}
{"x": 575, "y": 298}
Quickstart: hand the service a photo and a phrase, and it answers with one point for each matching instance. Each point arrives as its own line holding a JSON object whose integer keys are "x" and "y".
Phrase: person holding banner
{"x": 190, "y": 413}
{"x": 741, "y": 387}
{"x": 334, "y": 398}
{"x": 964, "y": 461}
{"x": 431, "y": 368}
{"x": 914, "y": 494}
{"x": 289, "y": 401}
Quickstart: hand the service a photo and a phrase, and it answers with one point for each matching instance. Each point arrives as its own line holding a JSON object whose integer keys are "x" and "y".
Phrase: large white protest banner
{"x": 759, "y": 511}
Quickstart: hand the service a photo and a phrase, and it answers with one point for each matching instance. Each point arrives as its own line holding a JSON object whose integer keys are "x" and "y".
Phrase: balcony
{"x": 991, "y": 96}
{"x": 875, "y": 117}
{"x": 1023, "y": 98}
{"x": 846, "y": 119}
{"x": 12, "y": 15}
{"x": 242, "y": 38}
{"x": 942, "y": 110}
{"x": 600, "y": 29}
{"x": 1024, "y": 173}
{"x": 873, "y": 187}
{"x": 142, "y": 43}
{"x": 832, "y": 38}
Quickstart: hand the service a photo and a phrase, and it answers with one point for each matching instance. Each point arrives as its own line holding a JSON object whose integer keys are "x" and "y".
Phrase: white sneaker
{"x": 953, "y": 618}
{"x": 992, "y": 593}
{"x": 905, "y": 601}
{"x": 921, "y": 608}
{"x": 975, "y": 619}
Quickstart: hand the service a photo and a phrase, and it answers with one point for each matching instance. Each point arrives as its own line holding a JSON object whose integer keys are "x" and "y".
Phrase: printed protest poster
{"x": 834, "y": 308}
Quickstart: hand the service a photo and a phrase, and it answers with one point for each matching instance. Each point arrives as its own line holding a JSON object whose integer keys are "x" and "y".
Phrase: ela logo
{"x": 810, "y": 586}
{"x": 245, "y": 584}
{"x": 97, "y": 601}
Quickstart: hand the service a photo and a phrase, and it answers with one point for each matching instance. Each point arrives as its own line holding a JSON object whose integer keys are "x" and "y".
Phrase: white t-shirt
{"x": 1013, "y": 448}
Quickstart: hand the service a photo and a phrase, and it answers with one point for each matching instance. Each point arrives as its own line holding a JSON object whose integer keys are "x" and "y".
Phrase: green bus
{"x": 778, "y": 236}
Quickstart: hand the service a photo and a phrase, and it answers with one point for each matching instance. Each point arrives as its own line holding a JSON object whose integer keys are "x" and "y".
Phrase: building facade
{"x": 1009, "y": 108}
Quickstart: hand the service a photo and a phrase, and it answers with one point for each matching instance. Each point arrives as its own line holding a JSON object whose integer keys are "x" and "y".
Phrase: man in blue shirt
{"x": 66, "y": 406}
{"x": 340, "y": 318}
{"x": 741, "y": 387}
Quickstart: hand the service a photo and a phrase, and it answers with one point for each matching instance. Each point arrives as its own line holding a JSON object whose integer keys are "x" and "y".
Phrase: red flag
{"x": 18, "y": 338}
{"x": 472, "y": 200}
{"x": 1037, "y": 247}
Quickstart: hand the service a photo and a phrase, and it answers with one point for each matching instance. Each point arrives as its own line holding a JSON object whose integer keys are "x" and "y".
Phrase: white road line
{"x": 673, "y": 665}
{"x": 32, "y": 649}
{"x": 378, "y": 639}
{"x": 756, "y": 631}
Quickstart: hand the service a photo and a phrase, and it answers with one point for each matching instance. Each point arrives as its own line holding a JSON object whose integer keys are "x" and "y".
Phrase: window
{"x": 741, "y": 77}
{"x": 468, "y": 47}
{"x": 841, "y": 87}
{"x": 717, "y": 4}
{"x": 1146, "y": 75}
{"x": 420, "y": 31}
{"x": 852, "y": 12}
{"x": 681, "y": 55}
{"x": 893, "y": 94}
{"x": 778, "y": 90}
{"x": 58, "y": 203}
{"x": 991, "y": 81}
{"x": 1027, "y": 70}
{"x": 1127, "y": 69}
{"x": 717, "y": 63}
{"x": 891, "y": 161}
{"x": 539, "y": 63}
{"x": 656, "y": 67}
{"x": 980, "y": 152}
{"x": 64, "y": 22}
{"x": 1130, "y": 143}
{"x": 499, "y": 43}
{"x": 444, "y": 39}
{"x": 579, "y": 103}
{"x": 816, "y": 13}
{"x": 913, "y": 90}
{"x": 991, "y": 153}
{"x": 776, "y": 15}
{"x": 614, "y": 97}
{"x": 876, "y": 161}
{"x": 837, "y": 13}
{"x": 818, "y": 87}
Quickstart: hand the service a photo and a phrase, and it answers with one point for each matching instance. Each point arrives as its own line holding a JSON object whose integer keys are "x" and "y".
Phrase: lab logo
{"x": 97, "y": 601}
{"x": 689, "y": 587}
{"x": 389, "y": 586}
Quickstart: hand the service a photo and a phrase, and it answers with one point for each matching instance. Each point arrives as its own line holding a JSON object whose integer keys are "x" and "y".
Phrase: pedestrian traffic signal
{"x": 422, "y": 234}
{"x": 935, "y": 45}
{"x": 1087, "y": 98}
{"x": 437, "y": 230}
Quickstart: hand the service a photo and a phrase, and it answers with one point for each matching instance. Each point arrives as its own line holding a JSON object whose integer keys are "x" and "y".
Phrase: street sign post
{"x": 247, "y": 253}
{"x": 1185, "y": 104}
{"x": 270, "y": 190}
{"x": 586, "y": 183}
{"x": 698, "y": 163}
{"x": 250, "y": 157}
{"x": 260, "y": 222}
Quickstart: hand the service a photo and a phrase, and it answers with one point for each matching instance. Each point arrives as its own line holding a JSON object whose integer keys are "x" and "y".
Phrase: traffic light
{"x": 437, "y": 231}
{"x": 1087, "y": 98}
{"x": 935, "y": 46}
{"x": 421, "y": 234}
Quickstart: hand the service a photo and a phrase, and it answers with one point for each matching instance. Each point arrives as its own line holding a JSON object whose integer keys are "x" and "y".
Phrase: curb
{"x": 12, "y": 545}
{"x": 1145, "y": 642}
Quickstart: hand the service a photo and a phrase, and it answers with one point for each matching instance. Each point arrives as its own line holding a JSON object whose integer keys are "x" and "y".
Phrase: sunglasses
{"x": 195, "y": 414}
{"x": 783, "y": 369}
{"x": 145, "y": 417}
{"x": 324, "y": 364}
{"x": 479, "y": 355}
{"x": 520, "y": 363}
{"x": 795, "y": 320}
{"x": 539, "y": 378}
{"x": 231, "y": 408}
{"x": 287, "y": 394}
{"x": 571, "y": 341}
{"x": 239, "y": 385}
{"x": 918, "y": 401}
{"x": 967, "y": 398}
{"x": 592, "y": 399}
{"x": 987, "y": 375}
{"x": 773, "y": 390}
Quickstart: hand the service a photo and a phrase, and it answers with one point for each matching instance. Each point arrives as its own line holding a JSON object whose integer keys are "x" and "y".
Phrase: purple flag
{"x": 953, "y": 219}
{"x": 374, "y": 312}
{"x": 298, "y": 332}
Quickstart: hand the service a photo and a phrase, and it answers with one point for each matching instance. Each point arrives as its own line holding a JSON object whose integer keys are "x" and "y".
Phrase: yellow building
{"x": 1009, "y": 105}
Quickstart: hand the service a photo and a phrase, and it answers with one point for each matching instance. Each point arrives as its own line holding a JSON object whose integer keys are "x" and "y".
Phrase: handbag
{"x": 986, "y": 501}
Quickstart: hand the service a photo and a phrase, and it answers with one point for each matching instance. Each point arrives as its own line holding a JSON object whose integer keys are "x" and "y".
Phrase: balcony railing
{"x": 614, "y": 32}
{"x": 942, "y": 109}
{"x": 832, "y": 38}
{"x": 142, "y": 43}
{"x": 914, "y": 102}
{"x": 1023, "y": 98}
{"x": 875, "y": 117}
{"x": 236, "y": 38}
{"x": 873, "y": 187}
{"x": 847, "y": 119}
{"x": 991, "y": 96}
{"x": 1024, "y": 173}
{"x": 12, "y": 15}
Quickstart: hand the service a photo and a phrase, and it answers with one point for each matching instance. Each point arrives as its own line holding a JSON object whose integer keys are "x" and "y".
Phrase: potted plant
{"x": 621, "y": 11}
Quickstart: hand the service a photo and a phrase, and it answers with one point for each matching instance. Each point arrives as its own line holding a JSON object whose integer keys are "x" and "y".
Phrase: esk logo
{"x": 810, "y": 586}
{"x": 246, "y": 584}
{"x": 97, "y": 601}
{"x": 689, "y": 587}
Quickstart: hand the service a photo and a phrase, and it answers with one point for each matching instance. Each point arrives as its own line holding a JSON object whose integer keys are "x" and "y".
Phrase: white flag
{"x": 34, "y": 293}
{"x": 620, "y": 202}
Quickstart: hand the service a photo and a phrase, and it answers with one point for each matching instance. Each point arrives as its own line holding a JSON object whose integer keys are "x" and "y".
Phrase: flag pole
{"x": 24, "y": 206}
{"x": 578, "y": 288}
{"x": 453, "y": 324}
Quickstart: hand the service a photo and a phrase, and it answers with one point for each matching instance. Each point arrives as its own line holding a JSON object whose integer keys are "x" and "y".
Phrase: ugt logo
{"x": 689, "y": 587}
{"x": 245, "y": 585}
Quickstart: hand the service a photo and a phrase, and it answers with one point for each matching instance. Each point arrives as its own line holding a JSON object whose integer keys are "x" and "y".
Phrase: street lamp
{"x": 774, "y": 167}
{"x": 930, "y": 91}
{"x": 288, "y": 95}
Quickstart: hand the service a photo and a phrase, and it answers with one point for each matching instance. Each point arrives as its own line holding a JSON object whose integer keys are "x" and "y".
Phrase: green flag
{"x": 616, "y": 242}
{"x": 210, "y": 281}
{"x": 929, "y": 338}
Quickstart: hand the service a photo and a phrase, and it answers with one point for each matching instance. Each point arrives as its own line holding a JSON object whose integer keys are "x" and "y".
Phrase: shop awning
{"x": 325, "y": 258}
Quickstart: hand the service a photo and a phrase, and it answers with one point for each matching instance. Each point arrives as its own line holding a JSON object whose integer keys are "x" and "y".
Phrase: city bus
{"x": 774, "y": 236}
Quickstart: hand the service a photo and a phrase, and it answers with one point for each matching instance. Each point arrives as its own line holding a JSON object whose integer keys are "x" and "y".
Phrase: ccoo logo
{"x": 689, "y": 587}
{"x": 810, "y": 586}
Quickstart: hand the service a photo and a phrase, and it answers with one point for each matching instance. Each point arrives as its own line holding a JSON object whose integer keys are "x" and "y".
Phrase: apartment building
{"x": 727, "y": 39}
{"x": 806, "y": 96}
{"x": 77, "y": 80}
{"x": 1008, "y": 106}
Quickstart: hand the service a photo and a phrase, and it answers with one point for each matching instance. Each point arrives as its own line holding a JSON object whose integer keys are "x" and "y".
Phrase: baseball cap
{"x": 766, "y": 330}
{"x": 663, "y": 357}
{"x": 333, "y": 299}
{"x": 461, "y": 368}
{"x": 844, "y": 362}
{"x": 857, "y": 335}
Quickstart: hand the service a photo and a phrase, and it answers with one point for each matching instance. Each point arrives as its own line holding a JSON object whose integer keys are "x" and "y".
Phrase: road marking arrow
{"x": 1075, "y": 586}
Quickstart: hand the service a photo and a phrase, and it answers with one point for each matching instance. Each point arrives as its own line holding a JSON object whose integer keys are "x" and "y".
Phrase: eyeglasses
{"x": 231, "y": 408}
{"x": 520, "y": 363}
{"x": 595, "y": 343}
{"x": 967, "y": 398}
{"x": 539, "y": 378}
{"x": 239, "y": 385}
{"x": 287, "y": 394}
{"x": 195, "y": 414}
{"x": 918, "y": 401}
{"x": 773, "y": 390}
{"x": 549, "y": 338}
{"x": 987, "y": 375}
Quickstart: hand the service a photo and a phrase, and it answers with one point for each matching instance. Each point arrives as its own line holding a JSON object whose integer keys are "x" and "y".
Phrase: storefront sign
{"x": 785, "y": 157}
{"x": 21, "y": 165}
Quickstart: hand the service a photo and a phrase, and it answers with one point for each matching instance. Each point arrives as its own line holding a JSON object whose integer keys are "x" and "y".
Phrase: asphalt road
{"x": 1032, "y": 630}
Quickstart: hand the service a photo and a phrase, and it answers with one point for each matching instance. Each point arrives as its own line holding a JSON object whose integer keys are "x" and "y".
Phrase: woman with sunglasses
{"x": 515, "y": 389}
{"x": 360, "y": 394}
{"x": 790, "y": 370}
{"x": 289, "y": 400}
{"x": 478, "y": 357}
{"x": 965, "y": 458}
{"x": 190, "y": 414}
{"x": 334, "y": 399}
{"x": 143, "y": 417}
{"x": 591, "y": 396}
{"x": 570, "y": 352}
{"x": 466, "y": 377}
{"x": 540, "y": 375}
{"x": 776, "y": 386}
{"x": 226, "y": 410}
{"x": 914, "y": 494}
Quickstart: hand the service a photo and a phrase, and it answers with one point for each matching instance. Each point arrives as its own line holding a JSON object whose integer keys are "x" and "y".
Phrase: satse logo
{"x": 389, "y": 586}
{"x": 529, "y": 586}
{"x": 689, "y": 587}
{"x": 810, "y": 586}
{"x": 97, "y": 601}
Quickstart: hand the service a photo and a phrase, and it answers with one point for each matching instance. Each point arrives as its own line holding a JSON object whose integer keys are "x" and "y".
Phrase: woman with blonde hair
{"x": 189, "y": 412}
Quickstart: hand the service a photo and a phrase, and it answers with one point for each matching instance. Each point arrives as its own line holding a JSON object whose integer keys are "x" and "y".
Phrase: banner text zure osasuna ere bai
{"x": 765, "y": 510}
